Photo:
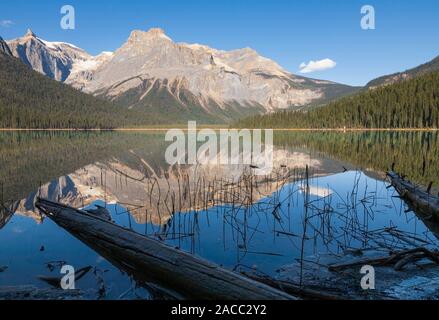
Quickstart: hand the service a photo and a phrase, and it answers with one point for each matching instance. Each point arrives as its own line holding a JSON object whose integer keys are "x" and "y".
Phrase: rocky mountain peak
{"x": 54, "y": 59}
{"x": 247, "y": 50}
{"x": 156, "y": 32}
{"x": 153, "y": 34}
{"x": 30, "y": 34}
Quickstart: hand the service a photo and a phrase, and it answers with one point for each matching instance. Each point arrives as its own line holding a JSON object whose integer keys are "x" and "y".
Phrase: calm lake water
{"x": 345, "y": 201}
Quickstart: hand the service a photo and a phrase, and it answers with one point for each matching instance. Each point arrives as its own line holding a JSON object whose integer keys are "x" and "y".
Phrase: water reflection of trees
{"x": 31, "y": 159}
{"x": 416, "y": 154}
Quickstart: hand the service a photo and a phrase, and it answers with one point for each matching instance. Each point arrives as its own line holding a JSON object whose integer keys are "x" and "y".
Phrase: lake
{"x": 326, "y": 194}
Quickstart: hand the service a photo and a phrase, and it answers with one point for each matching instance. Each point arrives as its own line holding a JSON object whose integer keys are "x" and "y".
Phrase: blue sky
{"x": 287, "y": 31}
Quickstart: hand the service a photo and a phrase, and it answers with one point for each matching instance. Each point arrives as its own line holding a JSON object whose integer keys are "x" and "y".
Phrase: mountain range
{"x": 155, "y": 80}
{"x": 152, "y": 73}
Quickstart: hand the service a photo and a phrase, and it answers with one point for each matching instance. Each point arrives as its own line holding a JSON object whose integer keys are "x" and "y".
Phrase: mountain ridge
{"x": 430, "y": 66}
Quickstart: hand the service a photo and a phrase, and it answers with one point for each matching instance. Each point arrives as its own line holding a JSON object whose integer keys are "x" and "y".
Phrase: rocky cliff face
{"x": 54, "y": 59}
{"x": 150, "y": 61}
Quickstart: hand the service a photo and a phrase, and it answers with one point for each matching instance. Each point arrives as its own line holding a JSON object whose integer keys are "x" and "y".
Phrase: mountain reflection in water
{"x": 221, "y": 213}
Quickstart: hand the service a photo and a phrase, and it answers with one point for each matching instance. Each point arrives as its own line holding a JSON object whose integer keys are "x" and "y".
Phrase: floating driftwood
{"x": 398, "y": 259}
{"x": 150, "y": 260}
{"x": 407, "y": 274}
{"x": 420, "y": 201}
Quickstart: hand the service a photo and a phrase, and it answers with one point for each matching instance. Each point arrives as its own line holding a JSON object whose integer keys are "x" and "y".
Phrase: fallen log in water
{"x": 419, "y": 201}
{"x": 398, "y": 259}
{"x": 152, "y": 261}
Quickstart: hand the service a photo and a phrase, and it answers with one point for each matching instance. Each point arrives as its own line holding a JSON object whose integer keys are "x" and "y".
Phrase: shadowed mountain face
{"x": 151, "y": 72}
{"x": 4, "y": 48}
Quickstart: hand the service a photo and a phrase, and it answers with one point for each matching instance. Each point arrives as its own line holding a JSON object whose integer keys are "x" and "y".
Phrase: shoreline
{"x": 152, "y": 129}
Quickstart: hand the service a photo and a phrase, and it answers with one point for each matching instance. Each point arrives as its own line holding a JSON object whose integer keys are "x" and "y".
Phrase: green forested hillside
{"x": 31, "y": 100}
{"x": 409, "y": 104}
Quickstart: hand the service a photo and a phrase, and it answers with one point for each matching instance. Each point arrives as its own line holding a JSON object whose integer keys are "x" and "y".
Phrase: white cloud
{"x": 6, "y": 23}
{"x": 319, "y": 65}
